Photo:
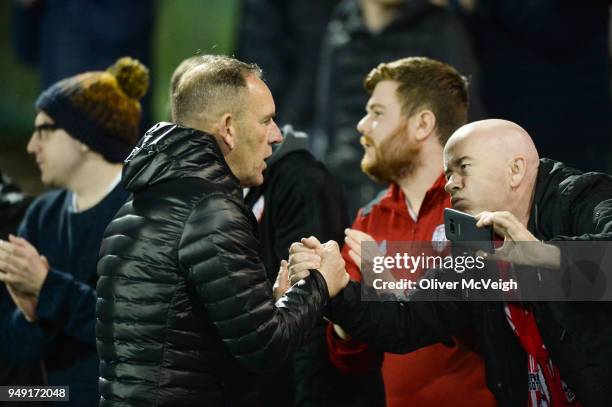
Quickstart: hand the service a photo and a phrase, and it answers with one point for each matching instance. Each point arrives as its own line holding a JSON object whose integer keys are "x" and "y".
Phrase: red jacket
{"x": 432, "y": 376}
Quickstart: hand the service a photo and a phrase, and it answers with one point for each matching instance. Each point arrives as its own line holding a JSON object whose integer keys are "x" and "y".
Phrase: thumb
{"x": 311, "y": 242}
{"x": 44, "y": 259}
{"x": 20, "y": 242}
{"x": 284, "y": 268}
{"x": 282, "y": 284}
{"x": 282, "y": 278}
{"x": 14, "y": 239}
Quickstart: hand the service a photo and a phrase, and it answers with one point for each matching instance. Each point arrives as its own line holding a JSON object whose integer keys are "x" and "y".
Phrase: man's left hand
{"x": 354, "y": 239}
{"x": 22, "y": 266}
{"x": 520, "y": 246}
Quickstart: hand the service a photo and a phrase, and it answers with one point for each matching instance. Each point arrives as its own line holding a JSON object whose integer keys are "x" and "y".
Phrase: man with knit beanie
{"x": 85, "y": 127}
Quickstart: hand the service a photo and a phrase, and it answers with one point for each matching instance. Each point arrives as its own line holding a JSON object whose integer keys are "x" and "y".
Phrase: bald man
{"x": 537, "y": 353}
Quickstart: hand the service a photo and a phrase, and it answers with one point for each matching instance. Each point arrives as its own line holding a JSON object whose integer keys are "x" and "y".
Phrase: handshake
{"x": 310, "y": 254}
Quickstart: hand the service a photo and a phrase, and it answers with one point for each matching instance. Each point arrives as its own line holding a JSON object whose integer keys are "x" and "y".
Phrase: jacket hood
{"x": 550, "y": 175}
{"x": 292, "y": 141}
{"x": 168, "y": 151}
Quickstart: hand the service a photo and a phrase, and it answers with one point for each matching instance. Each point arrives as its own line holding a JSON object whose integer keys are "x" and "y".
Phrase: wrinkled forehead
{"x": 477, "y": 147}
{"x": 455, "y": 148}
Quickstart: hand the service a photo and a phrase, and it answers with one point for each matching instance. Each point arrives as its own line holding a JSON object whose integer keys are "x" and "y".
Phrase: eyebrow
{"x": 375, "y": 105}
{"x": 269, "y": 116}
{"x": 454, "y": 163}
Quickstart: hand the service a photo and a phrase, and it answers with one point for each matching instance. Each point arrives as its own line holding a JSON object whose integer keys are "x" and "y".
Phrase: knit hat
{"x": 100, "y": 109}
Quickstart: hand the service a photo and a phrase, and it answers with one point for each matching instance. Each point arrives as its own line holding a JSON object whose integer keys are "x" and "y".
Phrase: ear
{"x": 423, "y": 124}
{"x": 226, "y": 129}
{"x": 518, "y": 169}
{"x": 83, "y": 148}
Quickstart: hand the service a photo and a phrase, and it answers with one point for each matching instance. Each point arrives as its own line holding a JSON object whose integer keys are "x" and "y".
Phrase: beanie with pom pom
{"x": 100, "y": 109}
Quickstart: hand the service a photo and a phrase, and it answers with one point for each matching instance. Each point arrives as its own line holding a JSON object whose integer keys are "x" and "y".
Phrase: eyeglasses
{"x": 42, "y": 131}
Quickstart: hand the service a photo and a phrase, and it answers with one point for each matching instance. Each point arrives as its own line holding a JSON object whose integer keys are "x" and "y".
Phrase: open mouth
{"x": 366, "y": 142}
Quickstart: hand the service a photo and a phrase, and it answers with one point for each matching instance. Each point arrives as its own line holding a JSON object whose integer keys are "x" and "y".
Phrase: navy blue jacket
{"x": 64, "y": 337}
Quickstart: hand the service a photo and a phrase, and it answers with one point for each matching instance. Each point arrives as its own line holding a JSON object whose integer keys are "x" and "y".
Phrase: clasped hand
{"x": 24, "y": 271}
{"x": 310, "y": 254}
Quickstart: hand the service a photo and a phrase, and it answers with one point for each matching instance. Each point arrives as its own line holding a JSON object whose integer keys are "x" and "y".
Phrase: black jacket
{"x": 185, "y": 311}
{"x": 568, "y": 205}
{"x": 296, "y": 29}
{"x": 301, "y": 198}
{"x": 350, "y": 51}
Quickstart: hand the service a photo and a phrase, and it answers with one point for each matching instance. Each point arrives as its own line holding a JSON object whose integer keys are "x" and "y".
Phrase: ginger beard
{"x": 394, "y": 158}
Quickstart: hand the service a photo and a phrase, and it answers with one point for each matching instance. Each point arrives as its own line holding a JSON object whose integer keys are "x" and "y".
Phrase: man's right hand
{"x": 304, "y": 255}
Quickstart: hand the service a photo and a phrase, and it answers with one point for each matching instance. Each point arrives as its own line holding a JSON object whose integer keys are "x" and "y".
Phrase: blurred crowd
{"x": 545, "y": 65}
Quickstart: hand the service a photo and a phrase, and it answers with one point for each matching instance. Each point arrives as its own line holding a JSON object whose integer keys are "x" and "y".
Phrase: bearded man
{"x": 415, "y": 105}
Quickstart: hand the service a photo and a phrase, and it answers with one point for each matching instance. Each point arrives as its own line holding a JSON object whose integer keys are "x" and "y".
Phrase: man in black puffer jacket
{"x": 185, "y": 311}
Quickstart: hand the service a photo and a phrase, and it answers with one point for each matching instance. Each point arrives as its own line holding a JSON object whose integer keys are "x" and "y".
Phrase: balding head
{"x": 491, "y": 165}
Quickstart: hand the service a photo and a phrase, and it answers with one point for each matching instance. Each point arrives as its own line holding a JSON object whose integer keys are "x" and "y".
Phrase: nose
{"x": 33, "y": 145}
{"x": 453, "y": 184}
{"x": 275, "y": 135}
{"x": 362, "y": 125}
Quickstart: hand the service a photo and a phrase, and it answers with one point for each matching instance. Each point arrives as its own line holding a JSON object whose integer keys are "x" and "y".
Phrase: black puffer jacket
{"x": 185, "y": 311}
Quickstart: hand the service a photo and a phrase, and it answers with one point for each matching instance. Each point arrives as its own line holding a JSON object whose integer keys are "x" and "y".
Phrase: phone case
{"x": 460, "y": 227}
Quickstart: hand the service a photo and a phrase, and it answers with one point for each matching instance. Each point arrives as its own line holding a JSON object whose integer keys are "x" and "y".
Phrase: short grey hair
{"x": 206, "y": 86}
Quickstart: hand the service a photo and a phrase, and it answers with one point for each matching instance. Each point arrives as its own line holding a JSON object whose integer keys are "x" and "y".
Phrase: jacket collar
{"x": 168, "y": 151}
{"x": 547, "y": 190}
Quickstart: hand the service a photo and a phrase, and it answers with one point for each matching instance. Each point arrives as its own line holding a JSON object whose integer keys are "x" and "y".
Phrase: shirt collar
{"x": 395, "y": 199}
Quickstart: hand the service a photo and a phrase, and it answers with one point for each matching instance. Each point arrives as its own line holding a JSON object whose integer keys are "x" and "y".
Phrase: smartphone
{"x": 460, "y": 228}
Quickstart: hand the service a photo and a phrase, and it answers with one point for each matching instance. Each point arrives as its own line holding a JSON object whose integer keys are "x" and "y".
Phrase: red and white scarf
{"x": 546, "y": 388}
